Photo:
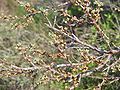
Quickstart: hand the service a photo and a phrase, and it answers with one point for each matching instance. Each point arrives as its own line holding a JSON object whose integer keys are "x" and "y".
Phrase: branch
{"x": 25, "y": 69}
{"x": 76, "y": 39}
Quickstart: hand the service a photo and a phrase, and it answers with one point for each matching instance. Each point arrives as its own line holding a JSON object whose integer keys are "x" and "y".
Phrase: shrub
{"x": 72, "y": 47}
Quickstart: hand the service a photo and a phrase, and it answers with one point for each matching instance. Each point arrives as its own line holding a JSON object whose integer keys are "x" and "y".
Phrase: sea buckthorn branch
{"x": 113, "y": 64}
{"x": 74, "y": 79}
{"x": 89, "y": 72}
{"x": 76, "y": 39}
{"x": 94, "y": 16}
{"x": 25, "y": 69}
{"x": 59, "y": 71}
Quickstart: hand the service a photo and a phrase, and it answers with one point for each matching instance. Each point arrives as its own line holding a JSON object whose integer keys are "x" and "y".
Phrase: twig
{"x": 76, "y": 39}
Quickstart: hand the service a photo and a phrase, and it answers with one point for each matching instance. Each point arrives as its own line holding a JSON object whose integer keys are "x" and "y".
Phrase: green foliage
{"x": 75, "y": 11}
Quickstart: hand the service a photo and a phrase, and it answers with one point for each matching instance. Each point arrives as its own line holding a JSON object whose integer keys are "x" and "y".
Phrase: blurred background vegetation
{"x": 36, "y": 36}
